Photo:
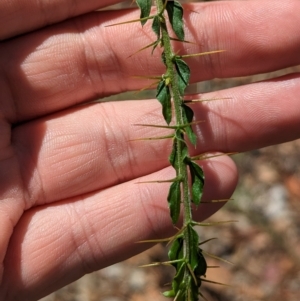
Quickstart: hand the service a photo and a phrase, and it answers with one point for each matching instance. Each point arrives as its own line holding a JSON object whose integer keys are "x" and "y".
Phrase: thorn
{"x": 192, "y": 274}
{"x": 205, "y": 241}
{"x": 147, "y": 77}
{"x": 153, "y": 138}
{"x": 177, "y": 235}
{"x": 160, "y": 263}
{"x": 200, "y": 294}
{"x": 216, "y": 257}
{"x": 159, "y": 181}
{"x": 146, "y": 88}
{"x": 214, "y": 282}
{"x": 193, "y": 101}
{"x": 206, "y": 156}
{"x": 201, "y": 53}
{"x": 177, "y": 295}
{"x": 168, "y": 239}
{"x": 182, "y": 41}
{"x": 154, "y": 240}
{"x": 131, "y": 21}
{"x": 144, "y": 48}
{"x": 218, "y": 201}
{"x": 213, "y": 223}
{"x": 157, "y": 126}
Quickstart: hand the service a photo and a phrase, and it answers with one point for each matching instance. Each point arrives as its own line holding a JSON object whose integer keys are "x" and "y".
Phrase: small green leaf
{"x": 194, "y": 242}
{"x": 197, "y": 176}
{"x": 188, "y": 115}
{"x": 197, "y": 190}
{"x": 173, "y": 156}
{"x": 198, "y": 170}
{"x": 202, "y": 265}
{"x": 145, "y": 7}
{"x": 175, "y": 13}
{"x": 178, "y": 282}
{"x": 178, "y": 135}
{"x": 169, "y": 294}
{"x": 174, "y": 200}
{"x": 184, "y": 73}
{"x": 156, "y": 26}
{"x": 184, "y": 153}
{"x": 176, "y": 250}
{"x": 164, "y": 96}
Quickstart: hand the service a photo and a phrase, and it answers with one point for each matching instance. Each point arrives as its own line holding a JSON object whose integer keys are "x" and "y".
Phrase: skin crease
{"x": 69, "y": 199}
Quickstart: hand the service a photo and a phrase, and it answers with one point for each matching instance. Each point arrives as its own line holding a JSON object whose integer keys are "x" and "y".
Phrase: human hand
{"x": 69, "y": 202}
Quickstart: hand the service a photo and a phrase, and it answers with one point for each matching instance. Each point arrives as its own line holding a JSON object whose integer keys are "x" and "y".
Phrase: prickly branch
{"x": 185, "y": 254}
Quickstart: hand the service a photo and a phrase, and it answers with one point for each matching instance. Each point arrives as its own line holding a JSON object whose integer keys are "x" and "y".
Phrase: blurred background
{"x": 264, "y": 245}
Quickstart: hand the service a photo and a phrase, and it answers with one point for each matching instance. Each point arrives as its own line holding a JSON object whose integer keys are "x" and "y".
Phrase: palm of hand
{"x": 69, "y": 202}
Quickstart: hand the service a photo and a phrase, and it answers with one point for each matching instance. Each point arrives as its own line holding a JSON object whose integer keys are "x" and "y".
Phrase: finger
{"x": 21, "y": 16}
{"x": 91, "y": 148}
{"x": 81, "y": 59}
{"x": 55, "y": 245}
{"x": 251, "y": 116}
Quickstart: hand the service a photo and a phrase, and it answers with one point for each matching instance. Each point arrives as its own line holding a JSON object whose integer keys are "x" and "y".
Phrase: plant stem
{"x": 182, "y": 172}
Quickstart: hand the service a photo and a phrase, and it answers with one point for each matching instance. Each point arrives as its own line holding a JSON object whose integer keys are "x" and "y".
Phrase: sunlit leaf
{"x": 188, "y": 115}
{"x": 176, "y": 250}
{"x": 164, "y": 96}
{"x": 156, "y": 26}
{"x": 194, "y": 241}
{"x": 197, "y": 176}
{"x": 175, "y": 14}
{"x": 173, "y": 156}
{"x": 145, "y": 7}
{"x": 174, "y": 200}
{"x": 184, "y": 74}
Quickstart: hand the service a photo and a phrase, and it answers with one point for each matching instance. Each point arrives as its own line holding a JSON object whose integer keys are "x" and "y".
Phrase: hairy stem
{"x": 182, "y": 172}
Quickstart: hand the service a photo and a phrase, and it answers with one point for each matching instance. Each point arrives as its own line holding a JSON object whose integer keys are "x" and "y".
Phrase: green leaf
{"x": 156, "y": 29}
{"x": 202, "y": 265}
{"x": 178, "y": 135}
{"x": 197, "y": 176}
{"x": 156, "y": 26}
{"x": 173, "y": 156}
{"x": 188, "y": 115}
{"x": 164, "y": 96}
{"x": 175, "y": 13}
{"x": 184, "y": 74}
{"x": 176, "y": 250}
{"x": 178, "y": 282}
{"x": 184, "y": 153}
{"x": 174, "y": 200}
{"x": 169, "y": 294}
{"x": 145, "y": 7}
{"x": 194, "y": 241}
